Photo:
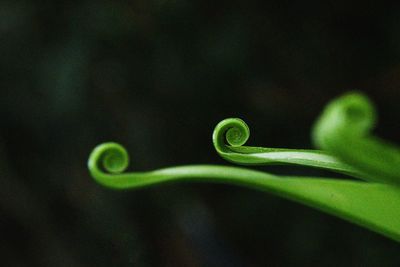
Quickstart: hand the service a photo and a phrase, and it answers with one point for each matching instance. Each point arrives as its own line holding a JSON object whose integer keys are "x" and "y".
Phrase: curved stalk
{"x": 231, "y": 134}
{"x": 374, "y": 206}
{"x": 344, "y": 128}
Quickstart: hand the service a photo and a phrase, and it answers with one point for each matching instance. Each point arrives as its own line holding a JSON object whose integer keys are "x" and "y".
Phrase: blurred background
{"x": 157, "y": 76}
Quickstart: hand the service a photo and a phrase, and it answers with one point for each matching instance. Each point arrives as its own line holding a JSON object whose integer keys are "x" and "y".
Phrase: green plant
{"x": 342, "y": 131}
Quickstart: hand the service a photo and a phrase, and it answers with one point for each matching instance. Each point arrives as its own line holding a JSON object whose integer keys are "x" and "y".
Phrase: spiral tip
{"x": 113, "y": 158}
{"x": 358, "y": 108}
{"x": 352, "y": 113}
{"x": 231, "y": 131}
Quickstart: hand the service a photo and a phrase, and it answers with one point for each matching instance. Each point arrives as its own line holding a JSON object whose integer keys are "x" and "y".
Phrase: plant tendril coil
{"x": 343, "y": 131}
{"x": 355, "y": 201}
{"x": 231, "y": 134}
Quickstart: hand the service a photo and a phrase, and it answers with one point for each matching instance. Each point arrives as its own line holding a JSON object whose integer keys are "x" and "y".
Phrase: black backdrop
{"x": 157, "y": 76}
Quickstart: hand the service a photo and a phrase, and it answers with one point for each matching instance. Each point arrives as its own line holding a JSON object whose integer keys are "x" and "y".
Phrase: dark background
{"x": 157, "y": 76}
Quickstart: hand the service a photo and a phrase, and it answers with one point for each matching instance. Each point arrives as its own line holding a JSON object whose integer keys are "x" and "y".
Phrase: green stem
{"x": 344, "y": 128}
{"x": 374, "y": 206}
{"x": 231, "y": 134}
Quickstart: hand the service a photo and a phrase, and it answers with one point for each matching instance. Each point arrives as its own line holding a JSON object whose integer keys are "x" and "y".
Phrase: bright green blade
{"x": 231, "y": 134}
{"x": 374, "y": 206}
{"x": 344, "y": 128}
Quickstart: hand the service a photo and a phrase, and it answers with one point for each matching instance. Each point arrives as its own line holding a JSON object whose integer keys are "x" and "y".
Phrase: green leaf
{"x": 344, "y": 128}
{"x": 231, "y": 134}
{"x": 374, "y": 206}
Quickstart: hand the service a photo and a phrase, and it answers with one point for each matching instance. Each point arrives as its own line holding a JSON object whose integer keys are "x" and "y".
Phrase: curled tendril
{"x": 114, "y": 157}
{"x": 107, "y": 161}
{"x": 355, "y": 201}
{"x": 231, "y": 134}
{"x": 344, "y": 129}
{"x": 351, "y": 114}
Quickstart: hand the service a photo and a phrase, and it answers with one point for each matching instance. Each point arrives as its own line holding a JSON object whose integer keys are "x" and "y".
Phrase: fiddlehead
{"x": 344, "y": 129}
{"x": 231, "y": 134}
